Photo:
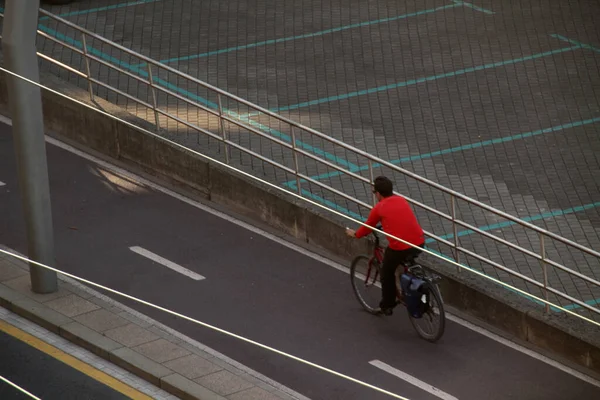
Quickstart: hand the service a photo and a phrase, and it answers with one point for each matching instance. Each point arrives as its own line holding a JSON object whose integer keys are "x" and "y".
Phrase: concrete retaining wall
{"x": 561, "y": 334}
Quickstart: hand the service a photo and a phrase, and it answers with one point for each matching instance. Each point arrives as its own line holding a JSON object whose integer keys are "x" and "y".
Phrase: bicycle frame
{"x": 378, "y": 253}
{"x": 377, "y": 257}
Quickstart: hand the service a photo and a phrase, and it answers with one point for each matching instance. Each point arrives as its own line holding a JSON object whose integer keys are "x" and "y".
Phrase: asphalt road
{"x": 260, "y": 289}
{"x": 45, "y": 376}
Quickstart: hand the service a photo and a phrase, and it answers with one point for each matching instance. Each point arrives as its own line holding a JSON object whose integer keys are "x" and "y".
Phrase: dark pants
{"x": 391, "y": 260}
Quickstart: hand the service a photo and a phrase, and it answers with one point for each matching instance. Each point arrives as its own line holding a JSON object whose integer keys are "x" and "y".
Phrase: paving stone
{"x": 72, "y": 305}
{"x": 10, "y": 272}
{"x": 192, "y": 366}
{"x": 131, "y": 335}
{"x": 101, "y": 320}
{"x": 142, "y": 366}
{"x": 89, "y": 339}
{"x": 161, "y": 350}
{"x": 224, "y": 382}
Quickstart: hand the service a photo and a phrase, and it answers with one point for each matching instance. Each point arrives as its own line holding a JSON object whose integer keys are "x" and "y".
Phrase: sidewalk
{"x": 144, "y": 347}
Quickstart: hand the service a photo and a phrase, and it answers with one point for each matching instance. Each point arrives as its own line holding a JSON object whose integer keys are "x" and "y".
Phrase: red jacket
{"x": 397, "y": 219}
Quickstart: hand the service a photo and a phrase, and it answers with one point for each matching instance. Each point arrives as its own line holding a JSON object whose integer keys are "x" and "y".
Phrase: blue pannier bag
{"x": 416, "y": 294}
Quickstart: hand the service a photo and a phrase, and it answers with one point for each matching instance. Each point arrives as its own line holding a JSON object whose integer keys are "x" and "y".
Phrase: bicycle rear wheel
{"x": 364, "y": 275}
{"x": 432, "y": 323}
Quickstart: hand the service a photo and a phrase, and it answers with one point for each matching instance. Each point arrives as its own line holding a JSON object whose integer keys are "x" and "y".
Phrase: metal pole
{"x": 87, "y": 67}
{"x": 296, "y": 165}
{"x": 154, "y": 102}
{"x": 18, "y": 45}
{"x": 455, "y": 231}
{"x": 371, "y": 179}
{"x": 544, "y": 269}
{"x": 222, "y": 129}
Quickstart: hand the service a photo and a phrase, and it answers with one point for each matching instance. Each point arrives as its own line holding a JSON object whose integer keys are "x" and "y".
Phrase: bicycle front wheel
{"x": 432, "y": 323}
{"x": 364, "y": 274}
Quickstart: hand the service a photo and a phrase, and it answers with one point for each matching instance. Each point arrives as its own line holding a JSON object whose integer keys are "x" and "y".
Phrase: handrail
{"x": 244, "y": 122}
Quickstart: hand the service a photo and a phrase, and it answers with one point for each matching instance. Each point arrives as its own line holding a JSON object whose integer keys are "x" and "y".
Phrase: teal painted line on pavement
{"x": 312, "y": 34}
{"x": 91, "y": 50}
{"x": 593, "y": 302}
{"x": 575, "y": 42}
{"x": 331, "y": 204}
{"x": 193, "y": 96}
{"x": 457, "y": 149}
{"x": 546, "y": 215}
{"x": 299, "y": 143}
{"x": 474, "y": 7}
{"x": 100, "y": 9}
{"x": 421, "y": 80}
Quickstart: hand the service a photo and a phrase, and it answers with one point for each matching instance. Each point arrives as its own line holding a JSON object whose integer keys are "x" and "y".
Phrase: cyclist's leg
{"x": 391, "y": 260}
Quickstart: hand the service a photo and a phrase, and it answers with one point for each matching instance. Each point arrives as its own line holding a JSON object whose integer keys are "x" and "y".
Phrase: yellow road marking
{"x": 68, "y": 359}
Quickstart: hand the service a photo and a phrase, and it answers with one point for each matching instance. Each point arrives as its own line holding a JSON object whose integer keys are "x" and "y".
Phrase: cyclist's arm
{"x": 374, "y": 219}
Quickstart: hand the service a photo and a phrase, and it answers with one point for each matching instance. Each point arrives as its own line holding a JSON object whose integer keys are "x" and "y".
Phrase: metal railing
{"x": 256, "y": 139}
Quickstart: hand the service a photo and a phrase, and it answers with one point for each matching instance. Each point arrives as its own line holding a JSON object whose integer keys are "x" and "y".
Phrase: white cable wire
{"x": 204, "y": 324}
{"x": 481, "y": 274}
{"x": 19, "y": 388}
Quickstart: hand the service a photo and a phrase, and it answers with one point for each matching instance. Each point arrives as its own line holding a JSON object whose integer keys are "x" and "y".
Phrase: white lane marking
{"x": 323, "y": 260}
{"x": 169, "y": 264}
{"x": 2, "y": 183}
{"x": 412, "y": 380}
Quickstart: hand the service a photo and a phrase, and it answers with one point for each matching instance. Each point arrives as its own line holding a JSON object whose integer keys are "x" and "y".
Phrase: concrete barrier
{"x": 565, "y": 336}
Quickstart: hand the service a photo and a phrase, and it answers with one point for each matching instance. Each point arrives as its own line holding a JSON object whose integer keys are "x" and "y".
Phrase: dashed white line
{"x": 2, "y": 183}
{"x": 169, "y": 264}
{"x": 412, "y": 380}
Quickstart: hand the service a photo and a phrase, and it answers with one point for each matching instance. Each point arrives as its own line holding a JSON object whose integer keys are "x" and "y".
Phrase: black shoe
{"x": 384, "y": 311}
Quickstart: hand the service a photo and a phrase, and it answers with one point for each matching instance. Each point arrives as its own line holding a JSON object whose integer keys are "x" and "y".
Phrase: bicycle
{"x": 425, "y": 303}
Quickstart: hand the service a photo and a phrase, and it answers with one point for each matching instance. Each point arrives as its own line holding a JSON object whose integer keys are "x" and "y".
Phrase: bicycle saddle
{"x": 410, "y": 261}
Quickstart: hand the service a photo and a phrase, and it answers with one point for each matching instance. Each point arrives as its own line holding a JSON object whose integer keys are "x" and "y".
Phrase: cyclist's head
{"x": 383, "y": 187}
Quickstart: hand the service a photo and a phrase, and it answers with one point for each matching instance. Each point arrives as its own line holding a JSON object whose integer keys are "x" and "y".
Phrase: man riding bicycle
{"x": 397, "y": 219}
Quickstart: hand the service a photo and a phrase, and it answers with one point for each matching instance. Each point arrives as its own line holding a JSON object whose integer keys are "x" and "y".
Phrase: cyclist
{"x": 397, "y": 219}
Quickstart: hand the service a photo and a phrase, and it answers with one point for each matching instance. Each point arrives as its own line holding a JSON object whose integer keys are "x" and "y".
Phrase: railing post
{"x": 544, "y": 269}
{"x": 371, "y": 179}
{"x": 296, "y": 167}
{"x": 455, "y": 230}
{"x": 87, "y": 66}
{"x": 222, "y": 128}
{"x": 154, "y": 102}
